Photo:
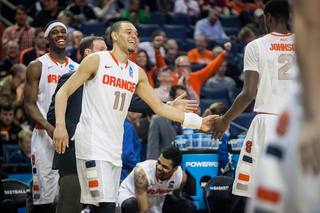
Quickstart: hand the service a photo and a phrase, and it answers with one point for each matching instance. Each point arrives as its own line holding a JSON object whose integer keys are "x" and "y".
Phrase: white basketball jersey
{"x": 50, "y": 75}
{"x": 105, "y": 103}
{"x": 273, "y": 57}
{"x": 157, "y": 189}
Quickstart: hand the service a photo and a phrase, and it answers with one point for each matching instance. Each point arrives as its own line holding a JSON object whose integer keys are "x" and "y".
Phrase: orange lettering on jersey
{"x": 158, "y": 191}
{"x": 118, "y": 82}
{"x": 282, "y": 47}
{"x": 283, "y": 39}
{"x": 53, "y": 78}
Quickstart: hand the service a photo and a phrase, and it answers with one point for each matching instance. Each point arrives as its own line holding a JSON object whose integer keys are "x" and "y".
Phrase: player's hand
{"x": 309, "y": 146}
{"x": 60, "y": 139}
{"x": 207, "y": 122}
{"x": 227, "y": 48}
{"x": 183, "y": 104}
{"x": 218, "y": 128}
{"x": 50, "y": 130}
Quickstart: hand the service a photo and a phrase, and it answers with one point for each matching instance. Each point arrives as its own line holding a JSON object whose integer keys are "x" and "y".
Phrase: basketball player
{"x": 109, "y": 82}
{"x": 269, "y": 66}
{"x": 147, "y": 187}
{"x": 41, "y": 80}
{"x": 292, "y": 155}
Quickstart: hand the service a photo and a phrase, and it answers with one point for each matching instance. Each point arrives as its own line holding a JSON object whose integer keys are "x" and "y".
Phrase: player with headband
{"x": 41, "y": 80}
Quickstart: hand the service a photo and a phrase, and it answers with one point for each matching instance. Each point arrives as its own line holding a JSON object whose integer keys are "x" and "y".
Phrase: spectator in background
{"x": 12, "y": 57}
{"x": 135, "y": 15}
{"x": 237, "y": 7}
{"x": 211, "y": 26}
{"x": 219, "y": 80}
{"x": 21, "y": 32}
{"x": 160, "y": 38}
{"x": 196, "y": 79}
{"x": 165, "y": 6}
{"x": 258, "y": 4}
{"x": 131, "y": 145}
{"x": 24, "y": 153}
{"x": 105, "y": 12}
{"x": 190, "y": 7}
{"x": 246, "y": 35}
{"x": 39, "y": 49}
{"x": 232, "y": 68}
{"x": 9, "y": 85}
{"x": 2, "y": 28}
{"x": 170, "y": 55}
{"x": 205, "y": 5}
{"x": 162, "y": 131}
{"x": 35, "y": 8}
{"x": 66, "y": 17}
{"x": 9, "y": 129}
{"x": 258, "y": 26}
{"x": 200, "y": 55}
{"x": 82, "y": 11}
{"x": 49, "y": 13}
{"x": 73, "y": 52}
{"x": 220, "y": 109}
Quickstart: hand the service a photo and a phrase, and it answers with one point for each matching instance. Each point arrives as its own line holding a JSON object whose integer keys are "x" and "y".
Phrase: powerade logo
{"x": 171, "y": 184}
{"x": 71, "y": 67}
{"x": 202, "y": 164}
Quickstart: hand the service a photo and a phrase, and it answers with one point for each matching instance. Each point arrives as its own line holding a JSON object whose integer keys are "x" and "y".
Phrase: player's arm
{"x": 141, "y": 186}
{"x": 307, "y": 29}
{"x": 177, "y": 192}
{"x": 146, "y": 92}
{"x": 31, "y": 96}
{"x": 86, "y": 70}
{"x": 247, "y": 95}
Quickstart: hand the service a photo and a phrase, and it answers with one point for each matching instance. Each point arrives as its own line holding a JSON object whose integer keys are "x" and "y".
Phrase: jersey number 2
{"x": 116, "y": 101}
{"x": 290, "y": 61}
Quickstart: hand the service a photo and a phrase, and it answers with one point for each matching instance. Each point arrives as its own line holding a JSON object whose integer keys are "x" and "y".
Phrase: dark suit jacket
{"x": 67, "y": 161}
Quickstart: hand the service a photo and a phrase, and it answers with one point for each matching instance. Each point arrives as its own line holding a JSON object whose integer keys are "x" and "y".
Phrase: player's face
{"x": 40, "y": 41}
{"x": 164, "y": 168}
{"x": 98, "y": 46}
{"x": 6, "y": 117}
{"x": 58, "y": 37}
{"x": 128, "y": 37}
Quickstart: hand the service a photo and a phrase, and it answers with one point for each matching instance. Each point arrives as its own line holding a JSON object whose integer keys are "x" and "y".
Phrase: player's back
{"x": 275, "y": 59}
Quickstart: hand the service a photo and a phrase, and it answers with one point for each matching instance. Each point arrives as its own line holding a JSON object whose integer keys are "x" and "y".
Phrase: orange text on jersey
{"x": 282, "y": 47}
{"x": 53, "y": 78}
{"x": 118, "y": 82}
{"x": 158, "y": 191}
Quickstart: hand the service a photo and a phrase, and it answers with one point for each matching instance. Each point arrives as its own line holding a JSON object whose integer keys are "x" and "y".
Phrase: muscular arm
{"x": 184, "y": 180}
{"x": 31, "y": 96}
{"x": 247, "y": 94}
{"x": 86, "y": 70}
{"x": 141, "y": 186}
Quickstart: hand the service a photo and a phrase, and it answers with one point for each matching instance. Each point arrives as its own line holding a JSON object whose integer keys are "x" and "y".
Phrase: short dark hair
{"x": 279, "y": 9}
{"x": 38, "y": 30}
{"x": 173, "y": 90}
{"x": 20, "y": 7}
{"x": 87, "y": 42}
{"x": 172, "y": 153}
{"x": 156, "y": 33}
{"x": 115, "y": 28}
{"x": 16, "y": 68}
{"x": 6, "y": 106}
{"x": 69, "y": 15}
{"x": 218, "y": 108}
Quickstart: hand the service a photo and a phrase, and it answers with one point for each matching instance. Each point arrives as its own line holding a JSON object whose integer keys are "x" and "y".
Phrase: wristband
{"x": 192, "y": 121}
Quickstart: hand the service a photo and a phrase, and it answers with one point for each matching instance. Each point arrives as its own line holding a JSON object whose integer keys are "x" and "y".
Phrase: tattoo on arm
{"x": 140, "y": 181}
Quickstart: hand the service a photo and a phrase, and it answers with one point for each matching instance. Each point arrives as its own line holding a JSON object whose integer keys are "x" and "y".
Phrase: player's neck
{"x": 279, "y": 28}
{"x": 120, "y": 55}
{"x": 60, "y": 57}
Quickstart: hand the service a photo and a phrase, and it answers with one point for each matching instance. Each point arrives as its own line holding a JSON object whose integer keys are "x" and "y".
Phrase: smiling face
{"x": 164, "y": 168}
{"x": 57, "y": 38}
{"x": 126, "y": 38}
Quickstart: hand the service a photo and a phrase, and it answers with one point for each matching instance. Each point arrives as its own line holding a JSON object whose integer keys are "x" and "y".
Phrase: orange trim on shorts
{"x": 268, "y": 195}
{"x": 266, "y": 113}
{"x": 289, "y": 34}
{"x": 243, "y": 177}
{"x": 93, "y": 183}
{"x": 37, "y": 126}
{"x": 35, "y": 187}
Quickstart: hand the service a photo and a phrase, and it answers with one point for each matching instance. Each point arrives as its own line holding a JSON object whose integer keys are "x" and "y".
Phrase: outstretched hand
{"x": 218, "y": 128}
{"x": 309, "y": 146}
{"x": 207, "y": 122}
{"x": 183, "y": 104}
{"x": 60, "y": 139}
